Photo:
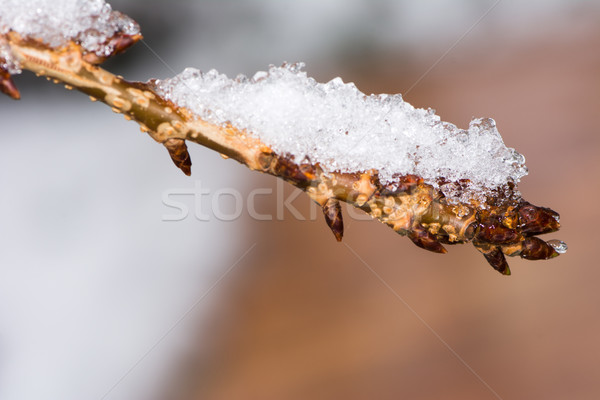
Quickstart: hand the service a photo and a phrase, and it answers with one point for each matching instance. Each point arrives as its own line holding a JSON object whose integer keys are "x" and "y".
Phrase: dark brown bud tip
{"x": 285, "y": 168}
{"x": 333, "y": 216}
{"x": 497, "y": 260}
{"x": 425, "y": 240}
{"x": 536, "y": 249}
{"x": 404, "y": 184}
{"x": 535, "y": 220}
{"x": 179, "y": 154}
{"x": 7, "y": 86}
{"x": 497, "y": 233}
{"x": 122, "y": 42}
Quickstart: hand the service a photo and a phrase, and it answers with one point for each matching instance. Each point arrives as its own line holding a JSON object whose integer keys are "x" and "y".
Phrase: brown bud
{"x": 179, "y": 154}
{"x": 333, "y": 216}
{"x": 425, "y": 240}
{"x": 122, "y": 42}
{"x": 471, "y": 231}
{"x": 7, "y": 86}
{"x": 536, "y": 249}
{"x": 405, "y": 184}
{"x": 497, "y": 260}
{"x": 264, "y": 160}
{"x": 119, "y": 43}
{"x": 288, "y": 170}
{"x": 497, "y": 233}
{"x": 535, "y": 220}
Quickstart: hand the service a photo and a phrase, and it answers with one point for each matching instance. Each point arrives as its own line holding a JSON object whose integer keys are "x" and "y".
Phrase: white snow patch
{"x": 345, "y": 130}
{"x": 56, "y": 22}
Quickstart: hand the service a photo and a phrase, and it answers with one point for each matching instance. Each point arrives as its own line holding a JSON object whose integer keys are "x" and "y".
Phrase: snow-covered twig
{"x": 426, "y": 179}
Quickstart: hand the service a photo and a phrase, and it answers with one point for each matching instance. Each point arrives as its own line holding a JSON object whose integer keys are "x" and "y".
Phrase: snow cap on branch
{"x": 90, "y": 23}
{"x": 344, "y": 130}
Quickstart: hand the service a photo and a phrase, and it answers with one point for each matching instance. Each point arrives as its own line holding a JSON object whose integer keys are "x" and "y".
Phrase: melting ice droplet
{"x": 559, "y": 246}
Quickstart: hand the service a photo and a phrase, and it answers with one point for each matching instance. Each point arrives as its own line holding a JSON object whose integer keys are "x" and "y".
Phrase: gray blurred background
{"x": 101, "y": 298}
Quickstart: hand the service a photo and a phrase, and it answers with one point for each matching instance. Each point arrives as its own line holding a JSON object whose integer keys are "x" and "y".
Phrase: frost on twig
{"x": 426, "y": 179}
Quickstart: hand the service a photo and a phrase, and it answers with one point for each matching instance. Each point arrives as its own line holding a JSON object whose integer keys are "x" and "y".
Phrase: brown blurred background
{"x": 302, "y": 317}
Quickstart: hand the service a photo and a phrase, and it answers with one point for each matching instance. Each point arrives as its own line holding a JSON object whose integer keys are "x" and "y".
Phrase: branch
{"x": 503, "y": 224}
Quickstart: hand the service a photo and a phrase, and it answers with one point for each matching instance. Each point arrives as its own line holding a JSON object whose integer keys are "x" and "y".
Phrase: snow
{"x": 56, "y": 22}
{"x": 333, "y": 124}
{"x": 7, "y": 61}
{"x": 344, "y": 130}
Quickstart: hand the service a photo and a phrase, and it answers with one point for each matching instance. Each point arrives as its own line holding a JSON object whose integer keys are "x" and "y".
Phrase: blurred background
{"x": 100, "y": 298}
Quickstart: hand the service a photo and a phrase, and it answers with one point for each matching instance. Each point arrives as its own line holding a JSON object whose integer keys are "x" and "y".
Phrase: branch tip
{"x": 503, "y": 225}
{"x": 119, "y": 43}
